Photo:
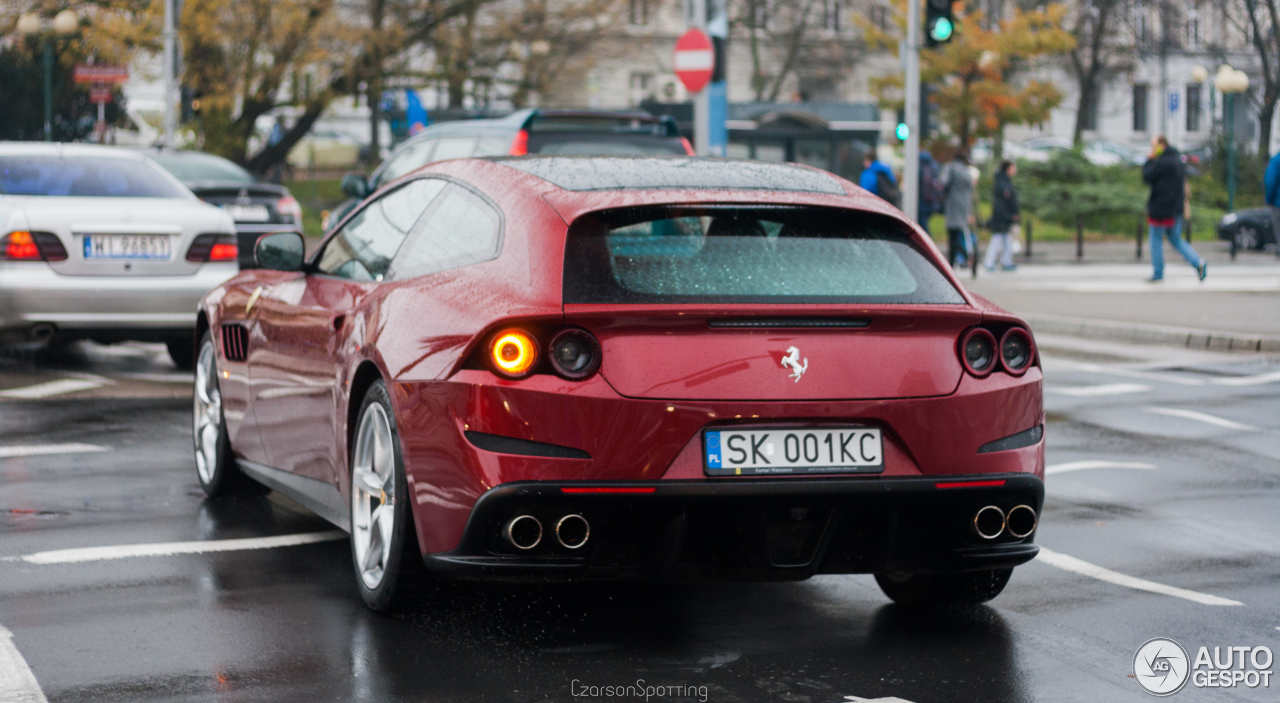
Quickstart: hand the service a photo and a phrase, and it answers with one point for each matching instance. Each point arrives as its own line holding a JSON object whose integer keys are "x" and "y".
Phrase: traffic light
{"x": 902, "y": 131}
{"x": 939, "y": 22}
{"x": 190, "y": 103}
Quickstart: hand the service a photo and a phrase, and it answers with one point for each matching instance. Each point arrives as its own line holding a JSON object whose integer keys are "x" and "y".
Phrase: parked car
{"x": 325, "y": 150}
{"x": 1101, "y": 152}
{"x": 561, "y": 132}
{"x": 101, "y": 243}
{"x": 554, "y": 369}
{"x": 255, "y": 206}
{"x": 1249, "y": 229}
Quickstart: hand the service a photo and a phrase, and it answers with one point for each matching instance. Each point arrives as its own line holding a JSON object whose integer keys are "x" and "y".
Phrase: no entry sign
{"x": 695, "y": 60}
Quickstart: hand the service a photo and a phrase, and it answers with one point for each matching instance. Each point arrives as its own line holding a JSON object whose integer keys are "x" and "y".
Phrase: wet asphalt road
{"x": 1193, "y": 503}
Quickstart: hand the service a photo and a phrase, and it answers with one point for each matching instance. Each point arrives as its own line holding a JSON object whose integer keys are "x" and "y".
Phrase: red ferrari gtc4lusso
{"x": 555, "y": 368}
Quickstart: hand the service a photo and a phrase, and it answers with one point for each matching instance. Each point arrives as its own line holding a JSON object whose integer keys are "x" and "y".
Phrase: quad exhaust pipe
{"x": 524, "y": 532}
{"x": 43, "y": 331}
{"x": 572, "y": 531}
{"x": 991, "y": 522}
{"x": 1021, "y": 521}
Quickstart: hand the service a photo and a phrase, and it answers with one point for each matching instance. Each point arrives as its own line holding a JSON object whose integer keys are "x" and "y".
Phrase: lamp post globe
{"x": 66, "y": 22}
{"x": 28, "y": 24}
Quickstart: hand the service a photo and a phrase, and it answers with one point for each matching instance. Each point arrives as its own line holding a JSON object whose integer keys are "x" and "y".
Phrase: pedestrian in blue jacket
{"x": 878, "y": 178}
{"x": 1271, "y": 183}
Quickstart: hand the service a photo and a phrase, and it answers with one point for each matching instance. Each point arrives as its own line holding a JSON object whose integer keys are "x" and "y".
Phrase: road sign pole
{"x": 911, "y": 151}
{"x": 701, "y": 101}
{"x": 170, "y": 58}
{"x": 718, "y": 90}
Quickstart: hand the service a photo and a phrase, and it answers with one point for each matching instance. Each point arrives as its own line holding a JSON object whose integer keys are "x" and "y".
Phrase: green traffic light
{"x": 902, "y": 131}
{"x": 941, "y": 29}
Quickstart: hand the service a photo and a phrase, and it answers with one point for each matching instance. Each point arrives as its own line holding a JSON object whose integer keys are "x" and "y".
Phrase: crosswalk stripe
{"x": 52, "y": 388}
{"x": 17, "y": 683}
{"x": 10, "y": 451}
{"x": 161, "y": 549}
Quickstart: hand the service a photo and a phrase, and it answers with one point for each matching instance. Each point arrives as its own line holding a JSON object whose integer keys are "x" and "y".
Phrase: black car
{"x": 256, "y": 207}
{"x": 1248, "y": 229}
{"x": 530, "y": 131}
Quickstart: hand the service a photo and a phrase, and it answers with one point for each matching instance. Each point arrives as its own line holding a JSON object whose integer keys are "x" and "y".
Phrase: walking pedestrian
{"x": 1004, "y": 215}
{"x": 1167, "y": 177}
{"x": 1271, "y": 183}
{"x": 878, "y": 178}
{"x": 930, "y": 200}
{"x": 957, "y": 205}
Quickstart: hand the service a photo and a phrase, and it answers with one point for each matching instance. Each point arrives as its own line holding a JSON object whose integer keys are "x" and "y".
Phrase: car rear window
{"x": 85, "y": 176}
{"x": 190, "y": 166}
{"x": 747, "y": 255}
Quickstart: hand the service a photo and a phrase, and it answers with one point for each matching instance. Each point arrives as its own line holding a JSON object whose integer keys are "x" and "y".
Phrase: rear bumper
{"x": 746, "y": 530}
{"x": 32, "y": 294}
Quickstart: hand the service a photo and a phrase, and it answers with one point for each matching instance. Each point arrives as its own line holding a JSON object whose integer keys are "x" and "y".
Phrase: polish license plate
{"x": 248, "y": 213}
{"x": 826, "y": 450}
{"x": 126, "y": 246}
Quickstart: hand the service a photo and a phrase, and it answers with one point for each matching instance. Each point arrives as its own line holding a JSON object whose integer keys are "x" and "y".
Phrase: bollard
{"x": 1027, "y": 253}
{"x": 1138, "y": 252}
{"x": 1079, "y": 238}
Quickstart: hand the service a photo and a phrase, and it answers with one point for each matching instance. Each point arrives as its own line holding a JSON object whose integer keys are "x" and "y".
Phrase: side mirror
{"x": 355, "y": 185}
{"x": 281, "y": 251}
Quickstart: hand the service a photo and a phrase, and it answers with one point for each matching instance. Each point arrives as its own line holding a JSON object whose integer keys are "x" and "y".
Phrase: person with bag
{"x": 878, "y": 178}
{"x": 957, "y": 205}
{"x": 1166, "y": 205}
{"x": 1005, "y": 215}
{"x": 1271, "y": 188}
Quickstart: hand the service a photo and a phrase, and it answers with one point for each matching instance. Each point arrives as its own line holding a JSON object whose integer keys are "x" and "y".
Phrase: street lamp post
{"x": 1230, "y": 82}
{"x": 65, "y": 23}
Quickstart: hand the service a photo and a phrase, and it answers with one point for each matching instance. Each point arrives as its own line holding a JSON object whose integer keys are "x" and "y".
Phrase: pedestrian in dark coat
{"x": 957, "y": 205}
{"x": 1004, "y": 215}
{"x": 1167, "y": 177}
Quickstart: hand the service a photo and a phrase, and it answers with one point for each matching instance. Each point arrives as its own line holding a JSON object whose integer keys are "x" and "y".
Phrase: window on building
{"x": 1193, "y": 28}
{"x": 759, "y": 10}
{"x": 880, "y": 17}
{"x": 1089, "y": 112}
{"x": 1193, "y": 107}
{"x": 641, "y": 87}
{"x": 639, "y": 12}
{"x": 1140, "y": 107}
{"x": 831, "y": 15}
{"x": 1141, "y": 24}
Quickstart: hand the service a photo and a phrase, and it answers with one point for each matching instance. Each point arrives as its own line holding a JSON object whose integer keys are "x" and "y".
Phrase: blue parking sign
{"x": 1173, "y": 102}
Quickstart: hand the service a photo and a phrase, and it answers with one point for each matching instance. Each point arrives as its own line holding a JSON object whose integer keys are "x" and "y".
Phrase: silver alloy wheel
{"x": 373, "y": 495}
{"x": 207, "y": 415}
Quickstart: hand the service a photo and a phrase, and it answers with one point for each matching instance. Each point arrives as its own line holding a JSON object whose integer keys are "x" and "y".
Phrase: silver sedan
{"x": 101, "y": 243}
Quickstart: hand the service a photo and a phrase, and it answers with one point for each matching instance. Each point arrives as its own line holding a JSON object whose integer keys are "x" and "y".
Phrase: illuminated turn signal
{"x": 20, "y": 246}
{"x": 513, "y": 352}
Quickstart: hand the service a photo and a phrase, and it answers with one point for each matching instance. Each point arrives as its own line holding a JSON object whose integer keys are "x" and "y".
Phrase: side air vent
{"x": 235, "y": 342}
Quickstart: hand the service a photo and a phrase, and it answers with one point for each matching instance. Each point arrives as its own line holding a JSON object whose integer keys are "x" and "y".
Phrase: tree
{"x": 1264, "y": 32}
{"x": 1098, "y": 49}
{"x": 976, "y": 94}
{"x": 786, "y": 37}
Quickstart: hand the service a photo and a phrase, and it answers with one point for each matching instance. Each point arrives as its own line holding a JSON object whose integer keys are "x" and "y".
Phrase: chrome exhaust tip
{"x": 572, "y": 531}
{"x": 523, "y": 532}
{"x": 989, "y": 522}
{"x": 1021, "y": 521}
{"x": 43, "y": 332}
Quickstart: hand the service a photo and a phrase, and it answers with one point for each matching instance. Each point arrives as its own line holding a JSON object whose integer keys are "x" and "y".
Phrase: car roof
{"x": 596, "y": 173}
{"x": 67, "y": 149}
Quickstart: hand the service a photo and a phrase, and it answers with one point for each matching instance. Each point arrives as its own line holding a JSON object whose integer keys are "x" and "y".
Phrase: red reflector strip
{"x": 970, "y": 484}
{"x": 595, "y": 489}
{"x": 224, "y": 252}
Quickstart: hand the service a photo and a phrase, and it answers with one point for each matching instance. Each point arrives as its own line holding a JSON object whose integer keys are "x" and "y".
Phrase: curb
{"x": 1140, "y": 333}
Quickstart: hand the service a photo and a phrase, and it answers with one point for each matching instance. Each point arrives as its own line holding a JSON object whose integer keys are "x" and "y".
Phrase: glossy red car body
{"x": 629, "y": 438}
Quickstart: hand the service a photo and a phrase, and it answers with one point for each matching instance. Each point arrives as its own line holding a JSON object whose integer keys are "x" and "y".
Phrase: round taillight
{"x": 513, "y": 353}
{"x": 1016, "y": 351}
{"x": 574, "y": 353}
{"x": 978, "y": 351}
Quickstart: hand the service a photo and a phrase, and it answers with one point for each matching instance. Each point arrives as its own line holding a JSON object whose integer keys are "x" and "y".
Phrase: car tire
{"x": 215, "y": 464}
{"x": 963, "y": 588}
{"x": 383, "y": 541}
{"x": 1248, "y": 239}
{"x": 182, "y": 352}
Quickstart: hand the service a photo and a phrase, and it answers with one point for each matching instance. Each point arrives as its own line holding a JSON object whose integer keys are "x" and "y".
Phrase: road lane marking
{"x": 1127, "y": 373}
{"x": 1084, "y": 568}
{"x": 164, "y": 549}
{"x": 1100, "y": 390}
{"x": 1258, "y": 380}
{"x": 17, "y": 683}
{"x": 1203, "y": 417}
{"x": 52, "y": 388}
{"x": 1095, "y": 464}
{"x": 7, "y": 452}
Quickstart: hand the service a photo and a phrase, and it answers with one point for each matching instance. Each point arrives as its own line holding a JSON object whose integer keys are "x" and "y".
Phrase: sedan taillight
{"x": 213, "y": 247}
{"x": 288, "y": 206}
{"x": 32, "y": 246}
{"x": 520, "y": 146}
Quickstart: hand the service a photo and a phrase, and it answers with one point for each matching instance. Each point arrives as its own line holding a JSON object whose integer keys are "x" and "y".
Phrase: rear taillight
{"x": 1016, "y": 351}
{"x": 213, "y": 247}
{"x": 288, "y": 207}
{"x": 574, "y": 353}
{"x": 513, "y": 353}
{"x": 32, "y": 246}
{"x": 688, "y": 148}
{"x": 520, "y": 146}
{"x": 978, "y": 351}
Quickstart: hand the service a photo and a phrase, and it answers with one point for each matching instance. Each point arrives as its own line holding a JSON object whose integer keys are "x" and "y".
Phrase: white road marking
{"x": 1095, "y": 391}
{"x": 52, "y": 388}
{"x": 162, "y": 549}
{"x": 1203, "y": 417}
{"x": 185, "y": 378}
{"x": 17, "y": 683}
{"x": 1095, "y": 464}
{"x": 1258, "y": 380}
{"x": 1084, "y": 568}
{"x": 10, "y": 451}
{"x": 891, "y": 699}
{"x": 1128, "y": 373}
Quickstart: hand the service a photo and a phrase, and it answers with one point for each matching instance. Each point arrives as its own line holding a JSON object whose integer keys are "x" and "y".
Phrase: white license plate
{"x": 798, "y": 450}
{"x": 248, "y": 213}
{"x": 126, "y": 246}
